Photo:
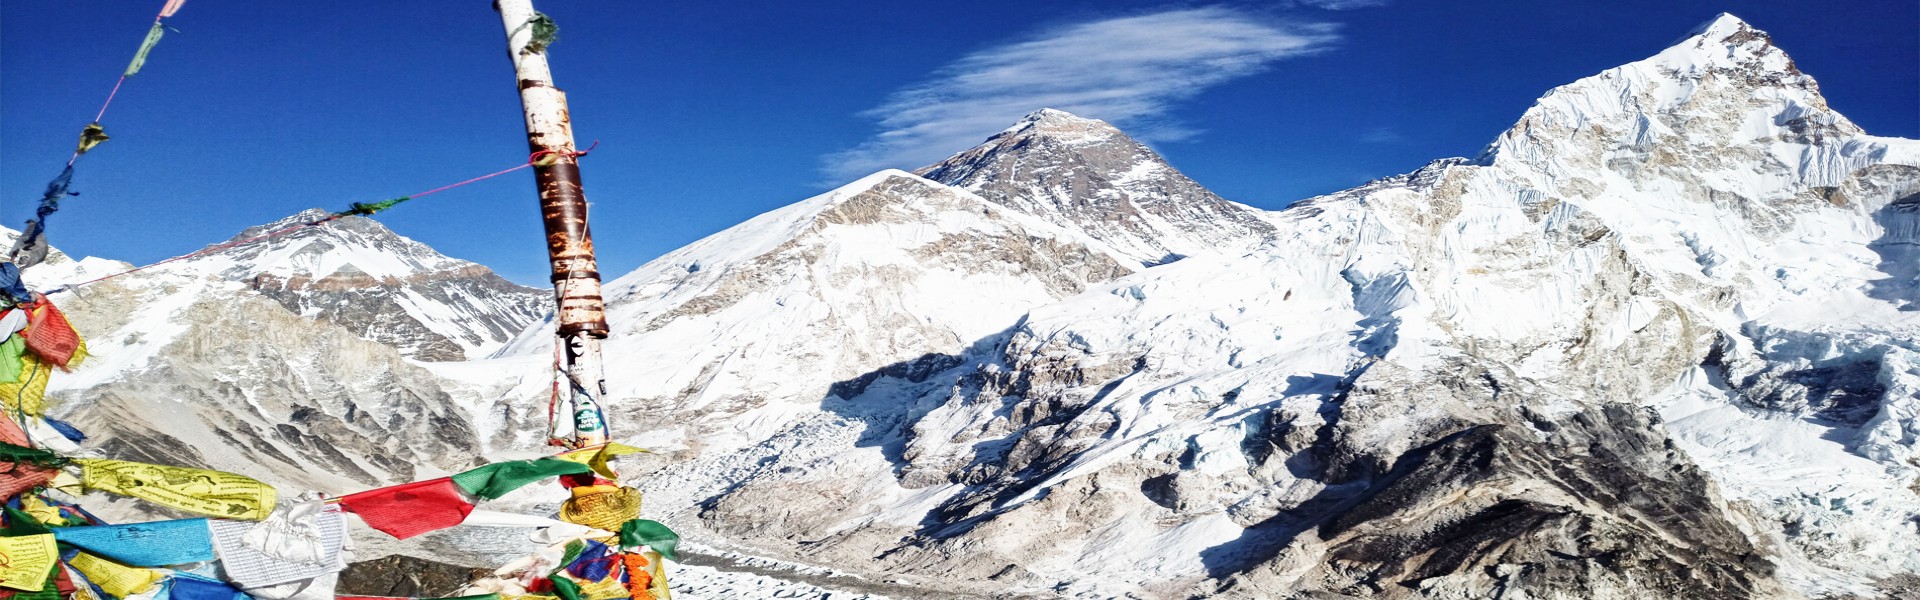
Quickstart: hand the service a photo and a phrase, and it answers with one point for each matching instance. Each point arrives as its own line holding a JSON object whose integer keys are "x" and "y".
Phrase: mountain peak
{"x": 1087, "y": 176}
{"x": 1726, "y": 42}
{"x": 1721, "y": 27}
{"x": 1064, "y": 126}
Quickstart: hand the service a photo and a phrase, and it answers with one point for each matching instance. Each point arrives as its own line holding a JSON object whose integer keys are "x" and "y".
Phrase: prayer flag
{"x": 114, "y": 579}
{"x": 20, "y": 474}
{"x": 153, "y": 544}
{"x": 28, "y": 392}
{"x": 202, "y": 491}
{"x": 146, "y": 46}
{"x": 602, "y": 507}
{"x": 10, "y": 351}
{"x": 652, "y": 534}
{"x": 598, "y": 457}
{"x": 30, "y": 560}
{"x": 495, "y": 480}
{"x": 188, "y": 587}
{"x": 50, "y": 335}
{"x": 407, "y": 510}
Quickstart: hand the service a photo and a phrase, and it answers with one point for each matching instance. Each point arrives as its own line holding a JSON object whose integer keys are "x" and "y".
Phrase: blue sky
{"x": 711, "y": 112}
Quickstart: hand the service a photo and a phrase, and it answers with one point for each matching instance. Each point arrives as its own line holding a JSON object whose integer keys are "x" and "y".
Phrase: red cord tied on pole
{"x": 545, "y": 158}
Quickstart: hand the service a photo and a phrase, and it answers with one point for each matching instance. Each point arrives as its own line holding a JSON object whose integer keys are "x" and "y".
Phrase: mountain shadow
{"x": 1899, "y": 251}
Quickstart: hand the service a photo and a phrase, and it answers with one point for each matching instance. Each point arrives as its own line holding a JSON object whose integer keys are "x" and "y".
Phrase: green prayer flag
{"x": 20, "y": 523}
{"x": 10, "y": 453}
{"x": 140, "y": 58}
{"x": 495, "y": 480}
{"x": 10, "y": 353}
{"x": 573, "y": 550}
{"x": 565, "y": 588}
{"x": 652, "y": 534}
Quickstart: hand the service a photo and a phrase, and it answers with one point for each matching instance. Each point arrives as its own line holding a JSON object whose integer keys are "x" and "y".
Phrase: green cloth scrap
{"x": 565, "y": 588}
{"x": 652, "y": 534}
{"x": 368, "y": 208}
{"x": 495, "y": 480}
{"x": 545, "y": 32}
{"x": 10, "y": 353}
{"x": 10, "y": 453}
{"x": 140, "y": 58}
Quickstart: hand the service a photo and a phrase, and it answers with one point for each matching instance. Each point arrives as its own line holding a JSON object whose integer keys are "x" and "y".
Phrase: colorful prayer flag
{"x": 597, "y": 457}
{"x": 152, "y": 544}
{"x": 20, "y": 475}
{"x": 114, "y": 579}
{"x": 10, "y": 351}
{"x": 28, "y": 393}
{"x": 50, "y": 335}
{"x": 203, "y": 491}
{"x": 173, "y": 6}
{"x": 652, "y": 534}
{"x": 188, "y": 587}
{"x": 407, "y": 510}
{"x": 30, "y": 560}
{"x": 495, "y": 480}
{"x": 146, "y": 46}
{"x": 603, "y": 507}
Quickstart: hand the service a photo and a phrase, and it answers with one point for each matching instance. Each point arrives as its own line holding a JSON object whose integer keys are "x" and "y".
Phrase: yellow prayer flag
{"x": 29, "y": 394}
{"x": 26, "y": 561}
{"x": 602, "y": 507}
{"x": 598, "y": 456}
{"x": 115, "y": 579}
{"x": 66, "y": 482}
{"x": 212, "y": 493}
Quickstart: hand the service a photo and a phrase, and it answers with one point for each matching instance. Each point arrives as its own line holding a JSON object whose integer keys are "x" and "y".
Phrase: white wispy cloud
{"x": 1341, "y": 4}
{"x": 1127, "y": 70}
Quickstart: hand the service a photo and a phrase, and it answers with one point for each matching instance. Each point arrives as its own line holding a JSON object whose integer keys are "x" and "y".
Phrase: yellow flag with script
{"x": 212, "y": 493}
{"x": 29, "y": 560}
{"x": 115, "y": 579}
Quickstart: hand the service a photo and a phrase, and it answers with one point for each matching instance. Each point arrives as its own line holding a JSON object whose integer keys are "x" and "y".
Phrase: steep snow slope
{"x": 754, "y": 325}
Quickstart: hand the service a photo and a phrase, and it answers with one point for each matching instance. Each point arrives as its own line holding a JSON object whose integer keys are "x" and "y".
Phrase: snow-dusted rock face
{"x": 1085, "y": 175}
{"x": 267, "y": 358}
{"x": 359, "y": 275}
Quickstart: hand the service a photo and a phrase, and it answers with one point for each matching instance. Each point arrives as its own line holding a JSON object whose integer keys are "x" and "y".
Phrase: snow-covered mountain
{"x": 1657, "y": 340}
{"x": 1087, "y": 176}
{"x": 1651, "y": 342}
{"x": 286, "y": 357}
{"x": 389, "y": 289}
{"x": 742, "y": 329}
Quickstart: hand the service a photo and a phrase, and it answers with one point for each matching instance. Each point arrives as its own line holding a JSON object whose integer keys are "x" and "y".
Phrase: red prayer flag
{"x": 16, "y": 477}
{"x": 410, "y": 509}
{"x": 50, "y": 335}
